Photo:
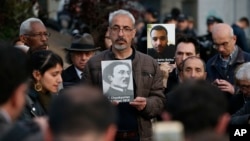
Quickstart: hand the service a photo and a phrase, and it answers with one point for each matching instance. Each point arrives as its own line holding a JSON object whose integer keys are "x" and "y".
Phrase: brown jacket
{"x": 148, "y": 82}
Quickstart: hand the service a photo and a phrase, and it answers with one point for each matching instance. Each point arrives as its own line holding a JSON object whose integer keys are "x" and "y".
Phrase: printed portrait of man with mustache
{"x": 117, "y": 74}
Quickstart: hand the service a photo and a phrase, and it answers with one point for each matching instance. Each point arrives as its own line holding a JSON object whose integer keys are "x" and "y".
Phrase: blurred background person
{"x": 86, "y": 115}
{"x": 207, "y": 49}
{"x": 150, "y": 17}
{"x": 201, "y": 108}
{"x": 182, "y": 26}
{"x": 14, "y": 76}
{"x": 169, "y": 19}
{"x": 238, "y": 28}
{"x": 46, "y": 69}
{"x": 81, "y": 50}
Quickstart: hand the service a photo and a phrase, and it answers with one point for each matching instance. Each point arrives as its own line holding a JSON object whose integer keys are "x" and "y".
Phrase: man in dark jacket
{"x": 242, "y": 96}
{"x": 134, "y": 118}
{"x": 242, "y": 116}
{"x": 81, "y": 49}
{"x": 221, "y": 67}
{"x": 186, "y": 46}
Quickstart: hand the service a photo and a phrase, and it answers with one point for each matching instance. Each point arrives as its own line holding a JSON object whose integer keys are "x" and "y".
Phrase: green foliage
{"x": 12, "y": 13}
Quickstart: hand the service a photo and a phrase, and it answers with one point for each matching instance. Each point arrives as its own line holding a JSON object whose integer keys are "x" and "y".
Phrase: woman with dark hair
{"x": 46, "y": 69}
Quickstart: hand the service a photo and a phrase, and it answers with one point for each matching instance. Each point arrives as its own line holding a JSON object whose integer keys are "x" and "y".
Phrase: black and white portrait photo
{"x": 117, "y": 80}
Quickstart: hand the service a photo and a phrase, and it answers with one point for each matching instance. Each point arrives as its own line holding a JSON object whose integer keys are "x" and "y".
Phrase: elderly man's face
{"x": 121, "y": 76}
{"x": 121, "y": 32}
{"x": 244, "y": 86}
{"x": 37, "y": 39}
{"x": 80, "y": 58}
{"x": 193, "y": 69}
{"x": 224, "y": 40}
{"x": 159, "y": 40}
{"x": 224, "y": 45}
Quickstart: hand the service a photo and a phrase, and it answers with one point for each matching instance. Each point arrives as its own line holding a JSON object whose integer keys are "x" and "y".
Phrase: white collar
{"x": 79, "y": 73}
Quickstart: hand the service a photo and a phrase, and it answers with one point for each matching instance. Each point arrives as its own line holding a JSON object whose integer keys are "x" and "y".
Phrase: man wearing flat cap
{"x": 80, "y": 51}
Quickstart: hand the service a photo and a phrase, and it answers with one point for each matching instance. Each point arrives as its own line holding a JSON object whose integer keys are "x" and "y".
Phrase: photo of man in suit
{"x": 117, "y": 74}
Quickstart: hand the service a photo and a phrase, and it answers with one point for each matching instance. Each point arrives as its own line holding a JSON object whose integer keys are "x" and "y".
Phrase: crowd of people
{"x": 207, "y": 88}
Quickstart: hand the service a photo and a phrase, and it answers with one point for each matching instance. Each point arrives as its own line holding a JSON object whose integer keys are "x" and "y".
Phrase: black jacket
{"x": 33, "y": 107}
{"x": 70, "y": 76}
{"x": 172, "y": 82}
{"x": 241, "y": 116}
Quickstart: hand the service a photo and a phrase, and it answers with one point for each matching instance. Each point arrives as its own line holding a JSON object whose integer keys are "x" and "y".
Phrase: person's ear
{"x": 234, "y": 39}
{"x": 110, "y": 78}
{"x": 37, "y": 75}
{"x": 205, "y": 75}
{"x": 17, "y": 100}
{"x": 23, "y": 39}
{"x": 222, "y": 124}
{"x": 133, "y": 32}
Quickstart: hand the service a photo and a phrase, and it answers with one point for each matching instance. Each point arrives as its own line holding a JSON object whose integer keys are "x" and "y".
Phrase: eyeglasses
{"x": 224, "y": 44}
{"x": 244, "y": 86}
{"x": 125, "y": 30}
{"x": 46, "y": 34}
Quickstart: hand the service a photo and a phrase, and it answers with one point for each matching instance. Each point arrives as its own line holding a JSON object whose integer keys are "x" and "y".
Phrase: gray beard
{"x": 119, "y": 47}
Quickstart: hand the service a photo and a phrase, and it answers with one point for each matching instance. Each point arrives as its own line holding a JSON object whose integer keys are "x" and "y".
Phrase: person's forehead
{"x": 194, "y": 63}
{"x": 121, "y": 67}
{"x": 37, "y": 27}
{"x": 122, "y": 21}
{"x": 158, "y": 33}
{"x": 185, "y": 47}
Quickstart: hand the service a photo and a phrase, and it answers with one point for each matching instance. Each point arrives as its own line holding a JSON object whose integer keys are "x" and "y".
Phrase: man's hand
{"x": 166, "y": 68}
{"x": 224, "y": 86}
{"x": 139, "y": 103}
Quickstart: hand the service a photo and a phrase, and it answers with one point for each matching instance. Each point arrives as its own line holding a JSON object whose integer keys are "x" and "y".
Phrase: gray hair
{"x": 121, "y": 12}
{"x": 26, "y": 25}
{"x": 242, "y": 72}
{"x": 231, "y": 32}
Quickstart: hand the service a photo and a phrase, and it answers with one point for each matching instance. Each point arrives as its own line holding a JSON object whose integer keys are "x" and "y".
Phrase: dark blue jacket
{"x": 214, "y": 70}
{"x": 241, "y": 40}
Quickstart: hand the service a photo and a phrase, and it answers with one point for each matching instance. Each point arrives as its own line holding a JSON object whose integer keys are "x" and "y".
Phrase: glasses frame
{"x": 224, "y": 44}
{"x": 125, "y": 30}
{"x": 35, "y": 35}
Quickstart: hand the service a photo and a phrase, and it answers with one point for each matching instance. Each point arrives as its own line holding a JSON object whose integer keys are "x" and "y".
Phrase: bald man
{"x": 221, "y": 67}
